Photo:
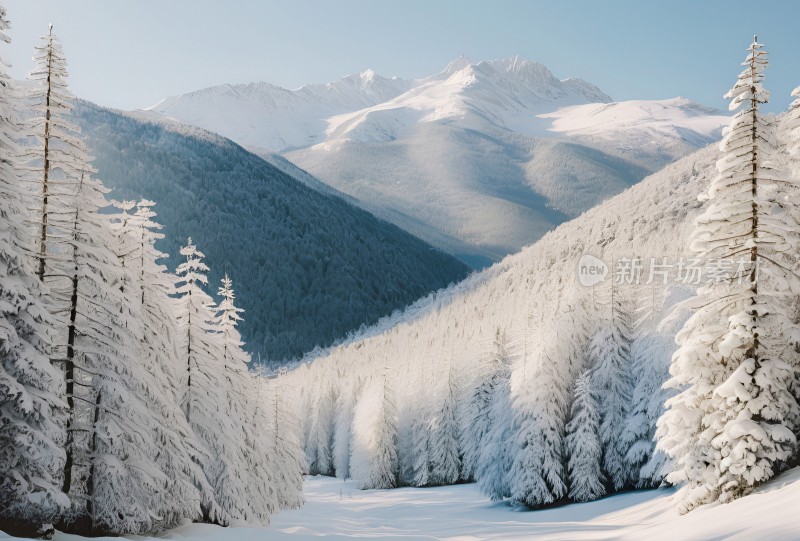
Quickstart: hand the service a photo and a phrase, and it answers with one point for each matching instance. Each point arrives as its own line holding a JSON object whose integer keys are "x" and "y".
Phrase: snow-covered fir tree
{"x": 540, "y": 402}
{"x": 287, "y": 457}
{"x": 32, "y": 412}
{"x": 320, "y": 440}
{"x": 151, "y": 288}
{"x": 609, "y": 355}
{"x": 374, "y": 461}
{"x": 418, "y": 451}
{"x": 494, "y": 456}
{"x": 475, "y": 415}
{"x": 651, "y": 351}
{"x": 343, "y": 429}
{"x": 582, "y": 443}
{"x": 206, "y": 395}
{"x": 109, "y": 475}
{"x": 730, "y": 427}
{"x": 243, "y": 407}
{"x": 52, "y": 142}
{"x": 445, "y": 460}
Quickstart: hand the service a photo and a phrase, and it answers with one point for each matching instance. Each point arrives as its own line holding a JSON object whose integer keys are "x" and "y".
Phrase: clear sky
{"x": 131, "y": 53}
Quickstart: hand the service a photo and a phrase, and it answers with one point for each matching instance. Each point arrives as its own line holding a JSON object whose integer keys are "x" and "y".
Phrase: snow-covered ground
{"x": 338, "y": 510}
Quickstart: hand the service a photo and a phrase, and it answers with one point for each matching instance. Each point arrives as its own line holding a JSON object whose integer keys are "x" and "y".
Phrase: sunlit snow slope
{"x": 479, "y": 159}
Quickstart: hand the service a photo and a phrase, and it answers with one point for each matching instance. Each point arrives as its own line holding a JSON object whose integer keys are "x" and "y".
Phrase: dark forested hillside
{"x": 307, "y": 267}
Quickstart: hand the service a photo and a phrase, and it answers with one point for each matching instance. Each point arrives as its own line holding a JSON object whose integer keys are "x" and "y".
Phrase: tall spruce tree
{"x": 729, "y": 429}
{"x": 32, "y": 412}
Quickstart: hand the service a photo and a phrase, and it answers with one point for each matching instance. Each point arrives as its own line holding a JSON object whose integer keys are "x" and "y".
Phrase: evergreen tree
{"x": 206, "y": 395}
{"x": 420, "y": 449}
{"x": 243, "y": 407}
{"x": 609, "y": 355}
{"x": 287, "y": 454}
{"x": 151, "y": 289}
{"x": 32, "y": 413}
{"x": 582, "y": 442}
{"x": 729, "y": 428}
{"x": 541, "y": 400}
{"x": 445, "y": 462}
{"x": 343, "y": 430}
{"x": 56, "y": 153}
{"x": 495, "y": 455}
{"x": 374, "y": 461}
{"x": 475, "y": 415}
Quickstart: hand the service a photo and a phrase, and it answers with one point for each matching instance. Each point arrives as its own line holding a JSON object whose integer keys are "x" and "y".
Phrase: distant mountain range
{"x": 308, "y": 266}
{"x": 480, "y": 159}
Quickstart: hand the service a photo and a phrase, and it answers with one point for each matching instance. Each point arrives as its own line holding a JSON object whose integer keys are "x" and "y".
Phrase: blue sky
{"x": 130, "y": 53}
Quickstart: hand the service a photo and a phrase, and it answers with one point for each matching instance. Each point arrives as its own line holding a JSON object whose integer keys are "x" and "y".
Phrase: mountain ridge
{"x": 479, "y": 159}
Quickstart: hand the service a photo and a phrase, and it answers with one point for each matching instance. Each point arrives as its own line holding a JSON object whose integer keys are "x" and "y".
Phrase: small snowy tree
{"x": 494, "y": 459}
{"x": 475, "y": 415}
{"x": 729, "y": 428}
{"x": 343, "y": 429}
{"x": 374, "y": 461}
{"x": 582, "y": 442}
{"x": 445, "y": 462}
{"x": 287, "y": 456}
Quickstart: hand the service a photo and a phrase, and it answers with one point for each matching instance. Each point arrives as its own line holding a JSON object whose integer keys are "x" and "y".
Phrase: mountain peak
{"x": 457, "y": 65}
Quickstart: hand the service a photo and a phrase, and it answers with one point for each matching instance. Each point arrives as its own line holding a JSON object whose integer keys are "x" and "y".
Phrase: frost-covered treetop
{"x": 193, "y": 269}
{"x": 229, "y": 311}
{"x": 750, "y": 86}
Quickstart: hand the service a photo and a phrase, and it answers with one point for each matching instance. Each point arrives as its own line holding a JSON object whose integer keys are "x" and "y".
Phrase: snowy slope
{"x": 479, "y": 159}
{"x": 337, "y": 510}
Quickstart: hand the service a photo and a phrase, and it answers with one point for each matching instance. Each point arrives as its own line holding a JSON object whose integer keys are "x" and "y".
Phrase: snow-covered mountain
{"x": 268, "y": 116}
{"x": 480, "y": 159}
{"x": 309, "y": 266}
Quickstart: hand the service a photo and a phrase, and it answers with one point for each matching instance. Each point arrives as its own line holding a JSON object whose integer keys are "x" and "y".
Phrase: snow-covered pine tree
{"x": 541, "y": 397}
{"x": 495, "y": 457}
{"x": 206, "y": 396}
{"x": 445, "y": 461}
{"x": 609, "y": 355}
{"x": 475, "y": 414}
{"x": 109, "y": 474}
{"x": 319, "y": 443}
{"x": 32, "y": 413}
{"x": 582, "y": 443}
{"x": 729, "y": 429}
{"x": 52, "y": 141}
{"x": 374, "y": 462}
{"x": 287, "y": 456}
{"x": 343, "y": 429}
{"x": 496, "y": 453}
{"x": 419, "y": 450}
{"x": 651, "y": 351}
{"x": 151, "y": 288}
{"x": 242, "y": 407}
